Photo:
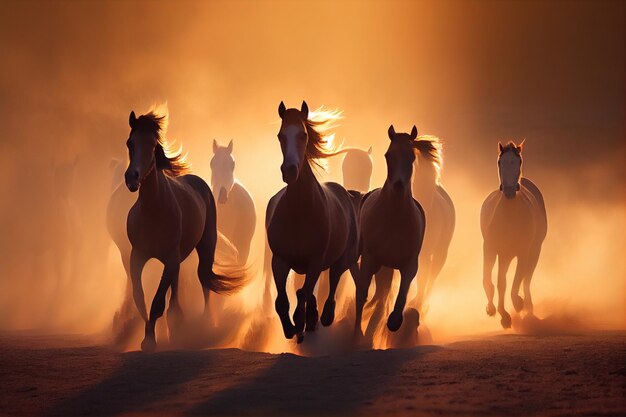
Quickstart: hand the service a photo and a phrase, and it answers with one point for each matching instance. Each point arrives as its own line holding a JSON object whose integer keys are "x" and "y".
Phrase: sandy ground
{"x": 492, "y": 375}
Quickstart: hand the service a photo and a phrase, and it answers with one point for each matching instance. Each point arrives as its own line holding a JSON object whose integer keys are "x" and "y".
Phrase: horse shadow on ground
{"x": 139, "y": 381}
{"x": 295, "y": 385}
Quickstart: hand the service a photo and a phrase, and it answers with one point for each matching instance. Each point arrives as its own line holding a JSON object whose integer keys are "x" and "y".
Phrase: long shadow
{"x": 294, "y": 385}
{"x": 139, "y": 381}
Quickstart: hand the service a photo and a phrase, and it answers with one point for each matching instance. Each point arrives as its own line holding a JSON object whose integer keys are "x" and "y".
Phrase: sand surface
{"x": 492, "y": 375}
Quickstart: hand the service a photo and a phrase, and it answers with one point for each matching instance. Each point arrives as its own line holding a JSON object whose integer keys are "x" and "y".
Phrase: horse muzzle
{"x": 290, "y": 173}
{"x": 132, "y": 180}
{"x": 510, "y": 191}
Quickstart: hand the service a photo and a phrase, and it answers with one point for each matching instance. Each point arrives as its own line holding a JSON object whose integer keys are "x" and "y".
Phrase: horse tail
{"x": 233, "y": 276}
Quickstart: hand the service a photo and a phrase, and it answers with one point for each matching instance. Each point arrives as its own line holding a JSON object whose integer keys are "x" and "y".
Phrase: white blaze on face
{"x": 294, "y": 144}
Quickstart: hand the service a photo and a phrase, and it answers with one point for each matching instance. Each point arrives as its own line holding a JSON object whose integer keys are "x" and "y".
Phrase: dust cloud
{"x": 471, "y": 73}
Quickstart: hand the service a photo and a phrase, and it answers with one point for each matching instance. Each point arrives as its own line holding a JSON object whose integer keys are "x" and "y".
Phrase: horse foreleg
{"x": 406, "y": 277}
{"x": 306, "y": 309}
{"x": 489, "y": 259}
{"x": 137, "y": 263}
{"x": 170, "y": 273}
{"x": 503, "y": 265}
{"x": 281, "y": 272}
{"x": 383, "y": 279}
{"x": 423, "y": 282}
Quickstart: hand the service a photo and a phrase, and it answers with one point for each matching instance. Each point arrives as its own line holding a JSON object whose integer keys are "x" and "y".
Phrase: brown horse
{"x": 310, "y": 226}
{"x": 513, "y": 222}
{"x": 173, "y": 215}
{"x": 392, "y": 228}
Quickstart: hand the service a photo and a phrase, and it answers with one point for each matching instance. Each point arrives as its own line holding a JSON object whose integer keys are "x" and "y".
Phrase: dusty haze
{"x": 471, "y": 73}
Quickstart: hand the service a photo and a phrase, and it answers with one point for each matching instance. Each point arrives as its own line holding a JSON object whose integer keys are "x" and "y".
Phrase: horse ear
{"x": 500, "y": 147}
{"x": 414, "y": 132}
{"x": 304, "y": 110}
{"x": 369, "y": 151}
{"x": 230, "y": 146}
{"x": 281, "y": 109}
{"x": 215, "y": 146}
{"x": 391, "y": 132}
{"x": 132, "y": 119}
{"x": 520, "y": 148}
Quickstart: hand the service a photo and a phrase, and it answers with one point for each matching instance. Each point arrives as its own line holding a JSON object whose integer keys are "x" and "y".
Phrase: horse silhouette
{"x": 174, "y": 214}
{"x": 236, "y": 213}
{"x": 513, "y": 222}
{"x": 310, "y": 226}
{"x": 439, "y": 210}
{"x": 392, "y": 227}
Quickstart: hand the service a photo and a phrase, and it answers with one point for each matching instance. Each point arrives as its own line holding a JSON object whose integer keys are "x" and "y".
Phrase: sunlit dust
{"x": 223, "y": 73}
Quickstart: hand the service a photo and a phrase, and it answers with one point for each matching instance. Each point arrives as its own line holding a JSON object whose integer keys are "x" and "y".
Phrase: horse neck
{"x": 301, "y": 189}
{"x": 394, "y": 200}
{"x": 152, "y": 189}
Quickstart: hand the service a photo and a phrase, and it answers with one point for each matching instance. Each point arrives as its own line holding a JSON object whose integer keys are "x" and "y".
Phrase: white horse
{"x": 514, "y": 224}
{"x": 236, "y": 213}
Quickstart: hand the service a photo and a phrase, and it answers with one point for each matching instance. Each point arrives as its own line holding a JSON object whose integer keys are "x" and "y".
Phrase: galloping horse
{"x": 439, "y": 211}
{"x": 310, "y": 226}
{"x": 236, "y": 214}
{"x": 392, "y": 228}
{"x": 513, "y": 222}
{"x": 174, "y": 213}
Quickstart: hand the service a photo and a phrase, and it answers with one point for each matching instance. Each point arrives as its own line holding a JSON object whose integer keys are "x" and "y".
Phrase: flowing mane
{"x": 172, "y": 161}
{"x": 430, "y": 148}
{"x": 321, "y": 143}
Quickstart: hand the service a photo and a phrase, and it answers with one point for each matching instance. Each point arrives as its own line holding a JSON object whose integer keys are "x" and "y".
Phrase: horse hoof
{"x": 148, "y": 345}
{"x": 394, "y": 321}
{"x": 328, "y": 315}
{"x": 491, "y": 310}
{"x": 518, "y": 302}
{"x": 289, "y": 331}
{"x": 506, "y": 320}
{"x": 311, "y": 318}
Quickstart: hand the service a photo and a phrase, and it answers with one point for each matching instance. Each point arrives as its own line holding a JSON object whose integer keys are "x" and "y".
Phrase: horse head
{"x": 222, "y": 171}
{"x": 400, "y": 157}
{"x": 510, "y": 168}
{"x": 293, "y": 136}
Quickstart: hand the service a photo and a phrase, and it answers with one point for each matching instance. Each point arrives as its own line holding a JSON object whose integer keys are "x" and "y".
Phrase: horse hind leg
{"x": 170, "y": 272}
{"x": 328, "y": 314}
{"x": 528, "y": 276}
{"x": 518, "y": 302}
{"x": 368, "y": 269}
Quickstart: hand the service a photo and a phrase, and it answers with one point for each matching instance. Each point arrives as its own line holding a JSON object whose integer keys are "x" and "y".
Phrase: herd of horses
{"x": 312, "y": 227}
